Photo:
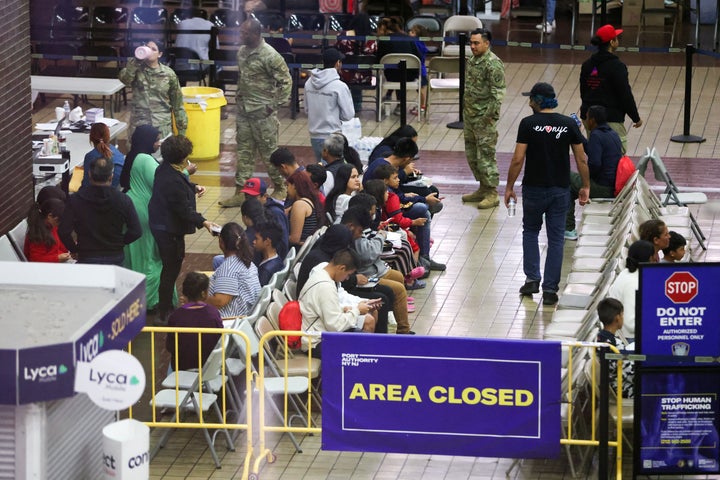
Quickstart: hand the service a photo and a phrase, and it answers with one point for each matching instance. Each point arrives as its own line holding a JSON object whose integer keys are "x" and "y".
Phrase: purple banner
{"x": 8, "y": 377}
{"x": 439, "y": 395}
{"x": 46, "y": 373}
{"x": 116, "y": 328}
{"x": 678, "y": 423}
{"x": 679, "y": 308}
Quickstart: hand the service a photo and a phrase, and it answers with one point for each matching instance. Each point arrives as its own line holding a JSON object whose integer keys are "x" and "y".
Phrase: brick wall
{"x": 16, "y": 190}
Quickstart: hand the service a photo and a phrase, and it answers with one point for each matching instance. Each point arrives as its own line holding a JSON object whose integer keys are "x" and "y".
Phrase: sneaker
{"x": 549, "y": 26}
{"x": 433, "y": 265}
{"x": 475, "y": 196}
{"x": 411, "y": 308}
{"x": 409, "y": 332}
{"x": 416, "y": 285}
{"x": 410, "y": 299}
{"x": 571, "y": 235}
{"x": 414, "y": 111}
{"x": 234, "y": 201}
{"x": 530, "y": 287}
{"x": 550, "y": 298}
{"x": 435, "y": 208}
{"x": 397, "y": 111}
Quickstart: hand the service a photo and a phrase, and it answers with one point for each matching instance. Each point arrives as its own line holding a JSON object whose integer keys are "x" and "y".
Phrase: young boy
{"x": 675, "y": 250}
{"x": 267, "y": 235}
{"x": 610, "y": 312}
{"x": 194, "y": 313}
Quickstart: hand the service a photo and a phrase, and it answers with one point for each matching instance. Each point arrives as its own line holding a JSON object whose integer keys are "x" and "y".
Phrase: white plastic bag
{"x": 352, "y": 129}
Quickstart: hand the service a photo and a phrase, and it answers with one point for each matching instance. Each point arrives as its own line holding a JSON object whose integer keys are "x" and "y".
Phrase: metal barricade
{"x": 192, "y": 389}
{"x": 275, "y": 357}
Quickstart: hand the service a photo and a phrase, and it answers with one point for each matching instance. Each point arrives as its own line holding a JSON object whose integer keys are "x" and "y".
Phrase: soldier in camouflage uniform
{"x": 484, "y": 92}
{"x": 264, "y": 85}
{"x": 156, "y": 94}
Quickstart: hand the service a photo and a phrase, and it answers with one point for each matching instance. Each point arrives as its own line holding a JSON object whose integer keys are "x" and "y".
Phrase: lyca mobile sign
{"x": 441, "y": 395}
{"x": 680, "y": 310}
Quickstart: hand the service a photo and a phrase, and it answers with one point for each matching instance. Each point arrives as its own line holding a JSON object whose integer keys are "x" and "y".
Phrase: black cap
{"x": 332, "y": 55}
{"x": 541, "y": 88}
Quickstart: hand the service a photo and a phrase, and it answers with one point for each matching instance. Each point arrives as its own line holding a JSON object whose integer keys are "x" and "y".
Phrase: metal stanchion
{"x": 403, "y": 92}
{"x": 686, "y": 137}
{"x": 460, "y": 123}
{"x": 603, "y": 419}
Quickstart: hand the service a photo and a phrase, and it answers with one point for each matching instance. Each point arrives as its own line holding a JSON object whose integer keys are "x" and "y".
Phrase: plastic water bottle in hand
{"x": 511, "y": 207}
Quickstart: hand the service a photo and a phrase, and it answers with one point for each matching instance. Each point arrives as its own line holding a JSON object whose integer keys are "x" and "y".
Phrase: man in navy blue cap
{"x": 544, "y": 140}
{"x": 328, "y": 101}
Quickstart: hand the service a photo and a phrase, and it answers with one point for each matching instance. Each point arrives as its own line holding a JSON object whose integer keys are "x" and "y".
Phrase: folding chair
{"x": 17, "y": 239}
{"x": 441, "y": 66}
{"x": 412, "y": 63}
{"x": 535, "y": 11}
{"x": 200, "y": 402}
{"x": 658, "y": 9}
{"x": 672, "y": 194}
{"x": 7, "y": 251}
{"x": 453, "y": 26}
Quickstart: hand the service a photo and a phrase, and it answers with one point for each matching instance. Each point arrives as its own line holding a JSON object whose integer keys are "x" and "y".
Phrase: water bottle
{"x": 577, "y": 120}
{"x": 511, "y": 207}
{"x": 66, "y": 108}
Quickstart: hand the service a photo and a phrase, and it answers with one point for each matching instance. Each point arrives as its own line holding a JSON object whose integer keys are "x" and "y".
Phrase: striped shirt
{"x": 235, "y": 279}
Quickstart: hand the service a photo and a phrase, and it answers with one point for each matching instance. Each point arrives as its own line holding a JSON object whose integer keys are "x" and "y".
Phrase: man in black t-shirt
{"x": 544, "y": 139}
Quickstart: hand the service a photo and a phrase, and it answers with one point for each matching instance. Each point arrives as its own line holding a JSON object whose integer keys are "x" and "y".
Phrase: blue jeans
{"x": 422, "y": 234}
{"x": 317, "y": 146}
{"x": 553, "y": 203}
{"x": 550, "y": 11}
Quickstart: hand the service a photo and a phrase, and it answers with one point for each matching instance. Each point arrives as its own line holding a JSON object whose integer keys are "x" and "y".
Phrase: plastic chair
{"x": 144, "y": 24}
{"x": 536, "y": 13}
{"x": 306, "y": 24}
{"x": 109, "y": 24}
{"x": 433, "y": 25}
{"x": 228, "y": 23}
{"x": 70, "y": 23}
{"x": 454, "y": 25}
{"x": 439, "y": 67}
{"x": 180, "y": 14}
{"x": 197, "y": 401}
{"x": 227, "y": 75}
{"x": 17, "y": 239}
{"x": 658, "y": 9}
{"x": 412, "y": 63}
{"x": 7, "y": 251}
{"x": 177, "y": 58}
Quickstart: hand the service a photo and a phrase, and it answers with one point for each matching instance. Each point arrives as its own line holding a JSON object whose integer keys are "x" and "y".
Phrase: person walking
{"x": 264, "y": 85}
{"x": 544, "y": 139}
{"x": 604, "y": 81}
{"x": 484, "y": 93}
{"x": 328, "y": 101}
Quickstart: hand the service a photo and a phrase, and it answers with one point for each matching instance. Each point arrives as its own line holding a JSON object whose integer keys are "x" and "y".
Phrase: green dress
{"x": 142, "y": 255}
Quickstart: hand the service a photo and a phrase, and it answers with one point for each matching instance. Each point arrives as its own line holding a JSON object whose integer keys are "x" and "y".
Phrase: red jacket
{"x": 39, "y": 252}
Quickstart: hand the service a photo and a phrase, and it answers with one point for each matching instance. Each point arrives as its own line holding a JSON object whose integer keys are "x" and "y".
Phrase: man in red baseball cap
{"x": 604, "y": 81}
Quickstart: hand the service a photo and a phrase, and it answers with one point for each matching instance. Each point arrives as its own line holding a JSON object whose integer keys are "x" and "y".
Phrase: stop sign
{"x": 681, "y": 287}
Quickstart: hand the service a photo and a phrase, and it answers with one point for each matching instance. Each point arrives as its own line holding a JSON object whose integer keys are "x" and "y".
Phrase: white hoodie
{"x": 328, "y": 102}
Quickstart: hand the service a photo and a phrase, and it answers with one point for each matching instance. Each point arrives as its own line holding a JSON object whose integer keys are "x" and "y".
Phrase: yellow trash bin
{"x": 202, "y": 105}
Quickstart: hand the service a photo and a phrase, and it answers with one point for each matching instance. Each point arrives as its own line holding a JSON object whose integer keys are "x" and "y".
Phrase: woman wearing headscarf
{"x": 627, "y": 282}
{"x": 100, "y": 140}
{"x": 136, "y": 179}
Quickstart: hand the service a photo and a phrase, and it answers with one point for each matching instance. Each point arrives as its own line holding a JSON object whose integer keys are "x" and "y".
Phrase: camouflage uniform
{"x": 156, "y": 97}
{"x": 484, "y": 92}
{"x": 264, "y": 85}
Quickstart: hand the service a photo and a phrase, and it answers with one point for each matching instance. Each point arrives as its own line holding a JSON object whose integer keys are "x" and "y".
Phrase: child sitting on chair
{"x": 675, "y": 251}
{"x": 198, "y": 314}
{"x": 610, "y": 313}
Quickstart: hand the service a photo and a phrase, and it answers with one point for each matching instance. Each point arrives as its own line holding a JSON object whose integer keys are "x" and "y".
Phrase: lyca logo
{"x": 89, "y": 350}
{"x": 44, "y": 374}
{"x": 112, "y": 378}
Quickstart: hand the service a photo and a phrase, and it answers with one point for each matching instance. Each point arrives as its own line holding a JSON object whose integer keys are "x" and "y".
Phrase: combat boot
{"x": 491, "y": 200}
{"x": 234, "y": 201}
{"x": 475, "y": 196}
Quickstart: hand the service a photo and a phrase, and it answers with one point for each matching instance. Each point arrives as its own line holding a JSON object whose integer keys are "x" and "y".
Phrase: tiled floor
{"x": 477, "y": 295}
